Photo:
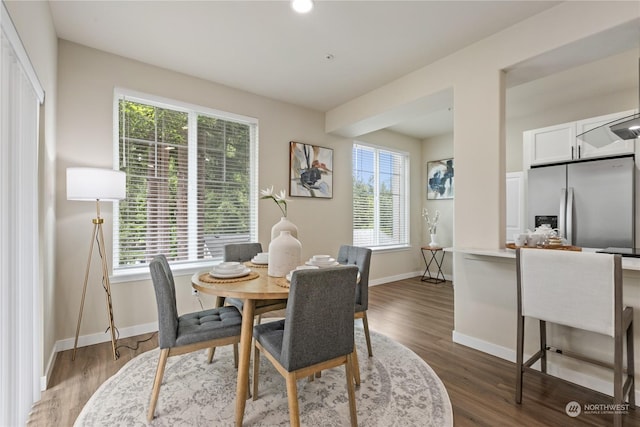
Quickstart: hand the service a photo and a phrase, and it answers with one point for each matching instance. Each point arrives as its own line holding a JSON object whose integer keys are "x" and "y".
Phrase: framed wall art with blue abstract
{"x": 440, "y": 179}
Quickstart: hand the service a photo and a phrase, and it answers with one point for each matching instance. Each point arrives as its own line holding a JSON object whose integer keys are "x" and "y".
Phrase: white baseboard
{"x": 86, "y": 340}
{"x": 484, "y": 346}
{"x": 44, "y": 380}
{"x": 403, "y": 276}
{"x": 571, "y": 375}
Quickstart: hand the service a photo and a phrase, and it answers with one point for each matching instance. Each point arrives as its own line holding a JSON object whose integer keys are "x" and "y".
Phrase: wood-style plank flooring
{"x": 416, "y": 314}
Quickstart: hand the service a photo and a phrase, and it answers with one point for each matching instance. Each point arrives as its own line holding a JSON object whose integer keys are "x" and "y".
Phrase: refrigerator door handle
{"x": 563, "y": 209}
{"x": 569, "y": 215}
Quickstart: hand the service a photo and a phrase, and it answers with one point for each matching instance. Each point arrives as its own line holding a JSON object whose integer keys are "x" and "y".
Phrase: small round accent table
{"x": 434, "y": 253}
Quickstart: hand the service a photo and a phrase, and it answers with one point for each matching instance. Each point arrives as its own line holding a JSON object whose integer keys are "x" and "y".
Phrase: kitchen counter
{"x": 628, "y": 263}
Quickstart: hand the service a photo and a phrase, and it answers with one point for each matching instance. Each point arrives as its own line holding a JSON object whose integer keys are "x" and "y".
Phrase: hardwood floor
{"x": 416, "y": 314}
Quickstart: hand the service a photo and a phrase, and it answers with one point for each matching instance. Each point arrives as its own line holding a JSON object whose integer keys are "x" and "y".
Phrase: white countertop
{"x": 628, "y": 263}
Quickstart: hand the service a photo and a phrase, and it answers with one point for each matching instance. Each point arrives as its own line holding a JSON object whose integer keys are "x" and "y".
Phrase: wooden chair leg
{"x": 235, "y": 355}
{"x": 157, "y": 382}
{"x": 356, "y": 367}
{"x": 352, "y": 397}
{"x": 292, "y": 396}
{"x": 365, "y": 323}
{"x": 256, "y": 369}
{"x": 212, "y": 351}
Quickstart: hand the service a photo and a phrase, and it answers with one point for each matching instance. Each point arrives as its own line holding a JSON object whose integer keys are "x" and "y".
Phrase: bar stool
{"x": 579, "y": 290}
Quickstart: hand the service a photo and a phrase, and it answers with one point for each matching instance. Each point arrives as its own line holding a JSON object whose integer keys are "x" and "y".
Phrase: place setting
{"x": 261, "y": 260}
{"x": 321, "y": 261}
{"x": 229, "y": 271}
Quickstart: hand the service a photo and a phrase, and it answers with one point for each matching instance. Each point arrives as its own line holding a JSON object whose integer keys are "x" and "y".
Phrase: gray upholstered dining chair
{"x": 189, "y": 332}
{"x": 316, "y": 333}
{"x": 243, "y": 252}
{"x": 360, "y": 257}
{"x": 582, "y": 291}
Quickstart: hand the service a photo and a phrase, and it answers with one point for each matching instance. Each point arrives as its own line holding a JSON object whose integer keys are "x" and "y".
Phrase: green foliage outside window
{"x": 156, "y": 214}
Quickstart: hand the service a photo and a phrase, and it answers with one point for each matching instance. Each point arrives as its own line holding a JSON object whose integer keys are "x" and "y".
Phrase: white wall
{"x": 35, "y": 27}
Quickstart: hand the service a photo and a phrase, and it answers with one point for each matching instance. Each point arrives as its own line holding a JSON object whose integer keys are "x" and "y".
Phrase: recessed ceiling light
{"x": 329, "y": 57}
{"x": 302, "y": 6}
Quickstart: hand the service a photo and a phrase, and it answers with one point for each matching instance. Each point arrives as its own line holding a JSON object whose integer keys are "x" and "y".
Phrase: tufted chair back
{"x": 360, "y": 257}
{"x": 241, "y": 252}
{"x": 165, "y": 289}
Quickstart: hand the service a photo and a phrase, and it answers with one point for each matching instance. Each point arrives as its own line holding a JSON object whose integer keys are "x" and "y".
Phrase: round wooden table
{"x": 263, "y": 287}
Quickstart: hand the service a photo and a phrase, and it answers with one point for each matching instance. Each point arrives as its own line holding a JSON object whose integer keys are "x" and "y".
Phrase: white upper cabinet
{"x": 551, "y": 144}
{"x": 561, "y": 143}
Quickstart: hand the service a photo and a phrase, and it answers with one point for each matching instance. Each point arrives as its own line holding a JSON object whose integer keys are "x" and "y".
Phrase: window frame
{"x": 404, "y": 194}
{"x": 189, "y": 267}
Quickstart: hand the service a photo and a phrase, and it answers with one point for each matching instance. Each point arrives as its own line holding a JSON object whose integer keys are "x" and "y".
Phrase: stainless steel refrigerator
{"x": 591, "y": 202}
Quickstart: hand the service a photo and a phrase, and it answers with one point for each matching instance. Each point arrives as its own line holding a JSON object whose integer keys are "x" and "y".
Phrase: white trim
{"x": 44, "y": 380}
{"x": 158, "y": 101}
{"x": 403, "y": 276}
{"x": 14, "y": 39}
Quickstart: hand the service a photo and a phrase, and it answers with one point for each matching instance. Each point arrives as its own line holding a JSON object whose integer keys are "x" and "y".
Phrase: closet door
{"x": 20, "y": 300}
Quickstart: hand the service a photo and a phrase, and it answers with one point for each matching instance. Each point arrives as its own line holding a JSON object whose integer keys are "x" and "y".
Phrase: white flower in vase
{"x": 280, "y": 198}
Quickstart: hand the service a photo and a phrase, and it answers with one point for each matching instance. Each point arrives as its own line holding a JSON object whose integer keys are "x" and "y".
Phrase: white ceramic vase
{"x": 284, "y": 225}
{"x": 433, "y": 243}
{"x": 285, "y": 254}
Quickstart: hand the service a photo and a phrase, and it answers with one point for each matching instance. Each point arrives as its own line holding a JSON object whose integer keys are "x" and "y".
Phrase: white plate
{"x": 329, "y": 264}
{"x": 288, "y": 277}
{"x": 228, "y": 275}
{"x": 255, "y": 261}
{"x": 321, "y": 261}
{"x": 228, "y": 266}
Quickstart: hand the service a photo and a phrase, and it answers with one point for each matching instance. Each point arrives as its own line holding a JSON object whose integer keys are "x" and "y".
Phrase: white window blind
{"x": 380, "y": 199}
{"x": 190, "y": 175}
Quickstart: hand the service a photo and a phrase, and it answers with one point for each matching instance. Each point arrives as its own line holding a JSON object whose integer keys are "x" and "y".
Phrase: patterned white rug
{"x": 397, "y": 389}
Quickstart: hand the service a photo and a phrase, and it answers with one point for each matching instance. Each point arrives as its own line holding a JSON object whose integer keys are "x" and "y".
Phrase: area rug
{"x": 397, "y": 389}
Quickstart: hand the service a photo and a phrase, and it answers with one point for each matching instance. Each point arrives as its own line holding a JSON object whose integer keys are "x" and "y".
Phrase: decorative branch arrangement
{"x": 431, "y": 223}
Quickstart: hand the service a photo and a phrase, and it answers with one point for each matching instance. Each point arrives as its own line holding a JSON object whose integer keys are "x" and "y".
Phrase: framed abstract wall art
{"x": 440, "y": 179}
{"x": 310, "y": 171}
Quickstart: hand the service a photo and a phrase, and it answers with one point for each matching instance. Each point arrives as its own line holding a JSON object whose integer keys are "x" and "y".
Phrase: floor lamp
{"x": 93, "y": 184}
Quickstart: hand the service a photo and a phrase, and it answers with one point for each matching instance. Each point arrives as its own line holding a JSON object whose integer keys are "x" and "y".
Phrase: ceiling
{"x": 337, "y": 52}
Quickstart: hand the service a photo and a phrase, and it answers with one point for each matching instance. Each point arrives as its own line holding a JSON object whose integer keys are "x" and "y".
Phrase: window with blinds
{"x": 380, "y": 197}
{"x": 190, "y": 175}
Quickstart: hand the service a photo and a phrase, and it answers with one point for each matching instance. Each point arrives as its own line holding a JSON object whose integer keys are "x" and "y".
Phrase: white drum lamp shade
{"x": 95, "y": 184}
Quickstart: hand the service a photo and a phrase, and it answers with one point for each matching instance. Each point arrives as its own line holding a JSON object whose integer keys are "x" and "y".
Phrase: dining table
{"x": 257, "y": 285}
